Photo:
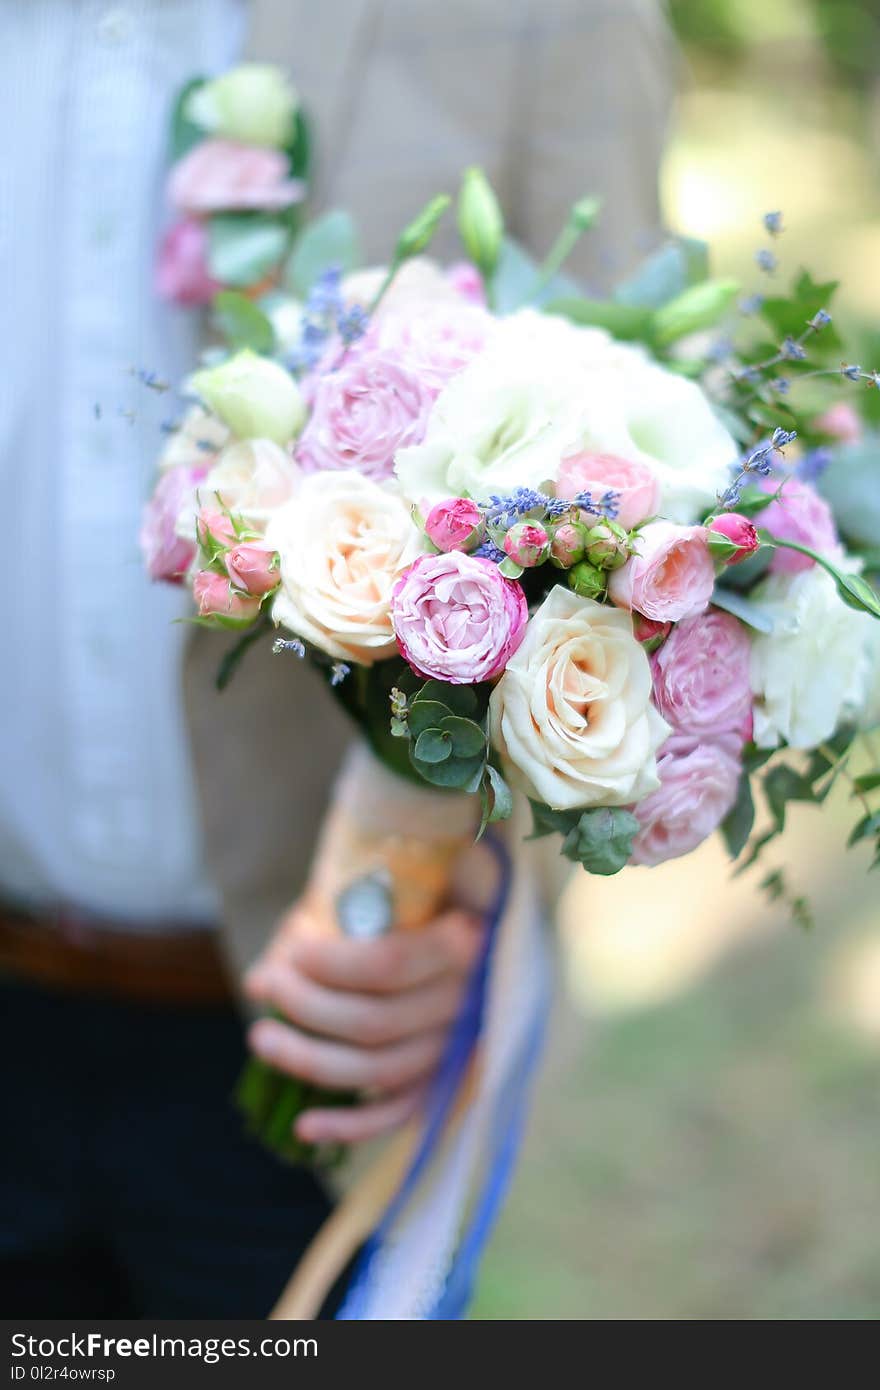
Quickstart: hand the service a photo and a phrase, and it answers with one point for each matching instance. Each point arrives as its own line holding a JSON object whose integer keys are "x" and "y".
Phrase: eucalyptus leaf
{"x": 453, "y": 772}
{"x": 243, "y": 247}
{"x": 502, "y": 797}
{"x": 546, "y": 821}
{"x": 458, "y": 699}
{"x": 748, "y": 612}
{"x": 666, "y": 273}
{"x": 330, "y": 241}
{"x": 185, "y": 134}
{"x": 425, "y": 714}
{"x": 602, "y": 839}
{"x": 242, "y": 324}
{"x": 513, "y": 282}
{"x": 432, "y": 746}
{"x": 467, "y": 738}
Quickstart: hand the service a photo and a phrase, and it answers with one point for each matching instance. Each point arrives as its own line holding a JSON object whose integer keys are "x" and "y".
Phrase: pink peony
{"x": 182, "y": 274}
{"x": 739, "y": 531}
{"x": 362, "y": 414}
{"x": 797, "y": 514}
{"x": 455, "y": 524}
{"x": 671, "y": 575}
{"x": 253, "y": 568}
{"x": 701, "y": 677}
{"x": 222, "y": 175}
{"x": 456, "y": 618}
{"x": 638, "y": 489}
{"x": 434, "y": 341}
{"x": 841, "y": 421}
{"x": 167, "y": 555}
{"x": 215, "y": 598}
{"x": 698, "y": 787}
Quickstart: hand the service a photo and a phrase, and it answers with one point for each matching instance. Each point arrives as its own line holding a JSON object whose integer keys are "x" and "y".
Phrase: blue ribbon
{"x": 510, "y": 1115}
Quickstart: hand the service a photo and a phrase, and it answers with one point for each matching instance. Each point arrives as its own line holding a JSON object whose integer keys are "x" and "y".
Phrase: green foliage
{"x": 242, "y": 324}
{"x": 185, "y": 134}
{"x": 299, "y": 150}
{"x": 788, "y": 315}
{"x": 600, "y": 839}
{"x": 244, "y": 247}
{"x": 739, "y": 822}
{"x": 417, "y": 236}
{"x": 329, "y": 241}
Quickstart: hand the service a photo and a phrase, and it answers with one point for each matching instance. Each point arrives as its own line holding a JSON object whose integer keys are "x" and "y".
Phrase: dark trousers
{"x": 127, "y": 1185}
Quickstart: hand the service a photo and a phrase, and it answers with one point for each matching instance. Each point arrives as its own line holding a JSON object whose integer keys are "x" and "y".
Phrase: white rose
{"x": 508, "y": 418}
{"x": 811, "y": 670}
{"x": 573, "y": 710}
{"x": 251, "y": 479}
{"x": 196, "y": 442}
{"x": 254, "y": 103}
{"x": 343, "y": 541}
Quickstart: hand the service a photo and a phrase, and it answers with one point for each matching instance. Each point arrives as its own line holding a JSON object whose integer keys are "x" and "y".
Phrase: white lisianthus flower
{"x": 573, "y": 713}
{"x": 254, "y": 396}
{"x": 509, "y": 417}
{"x": 811, "y": 671}
{"x": 253, "y": 103}
{"x": 196, "y": 442}
{"x": 343, "y": 541}
{"x": 252, "y": 479}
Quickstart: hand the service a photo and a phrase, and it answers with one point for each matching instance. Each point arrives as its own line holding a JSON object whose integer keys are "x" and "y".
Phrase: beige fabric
{"x": 555, "y": 98}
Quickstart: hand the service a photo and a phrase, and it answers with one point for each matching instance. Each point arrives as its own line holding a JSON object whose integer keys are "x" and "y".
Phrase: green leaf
{"x": 695, "y": 309}
{"x": 624, "y": 321}
{"x": 299, "y": 150}
{"x": 869, "y": 783}
{"x": 242, "y": 324}
{"x": 468, "y": 739}
{"x": 457, "y": 699}
{"x": 781, "y": 785}
{"x": 185, "y": 134}
{"x": 502, "y": 807}
{"x": 737, "y": 825}
{"x": 866, "y": 827}
{"x": 746, "y": 609}
{"x": 425, "y": 714}
{"x": 754, "y": 757}
{"x": 546, "y": 821}
{"x": 602, "y": 839}
{"x": 432, "y": 746}
{"x": 510, "y": 569}
{"x": 662, "y": 276}
{"x": 453, "y": 772}
{"x": 230, "y": 663}
{"x": 329, "y": 241}
{"x": 243, "y": 247}
{"x": 853, "y": 589}
{"x": 418, "y": 234}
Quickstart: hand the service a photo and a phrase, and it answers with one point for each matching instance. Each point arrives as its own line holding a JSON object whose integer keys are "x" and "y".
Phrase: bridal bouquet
{"x": 544, "y": 547}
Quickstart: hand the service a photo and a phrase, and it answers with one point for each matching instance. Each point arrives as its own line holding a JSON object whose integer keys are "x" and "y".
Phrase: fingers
{"x": 399, "y": 961}
{"x": 342, "y": 1067}
{"x": 370, "y": 1020}
{"x": 357, "y": 1123}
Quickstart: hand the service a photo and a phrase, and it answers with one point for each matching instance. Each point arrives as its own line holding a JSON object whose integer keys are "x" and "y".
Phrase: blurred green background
{"x": 706, "y": 1138}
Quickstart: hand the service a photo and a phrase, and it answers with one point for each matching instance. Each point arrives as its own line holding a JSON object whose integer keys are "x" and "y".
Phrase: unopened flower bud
{"x": 527, "y": 544}
{"x": 418, "y": 234}
{"x": 253, "y": 568}
{"x": 456, "y": 524}
{"x": 649, "y": 632}
{"x": 567, "y": 544}
{"x": 214, "y": 529}
{"x": 215, "y": 598}
{"x": 608, "y": 545}
{"x": 480, "y": 221}
{"x": 731, "y": 538}
{"x": 587, "y": 580}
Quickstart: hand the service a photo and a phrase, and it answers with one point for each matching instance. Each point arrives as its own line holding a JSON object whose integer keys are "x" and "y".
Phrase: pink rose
{"x": 638, "y": 489}
{"x": 701, "y": 677}
{"x": 799, "y": 514}
{"x": 527, "y": 543}
{"x": 182, "y": 266}
{"x": 362, "y": 414}
{"x": 222, "y": 175}
{"x": 738, "y": 531}
{"x": 467, "y": 281}
{"x": 167, "y": 555}
{"x": 698, "y": 787}
{"x": 455, "y": 524}
{"x": 671, "y": 575}
{"x": 650, "y": 633}
{"x": 840, "y": 421}
{"x": 456, "y": 618}
{"x": 433, "y": 341}
{"x": 253, "y": 568}
{"x": 215, "y": 598}
{"x": 214, "y": 525}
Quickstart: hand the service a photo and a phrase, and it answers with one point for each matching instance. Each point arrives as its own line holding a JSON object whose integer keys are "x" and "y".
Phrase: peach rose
{"x": 637, "y": 487}
{"x": 671, "y": 576}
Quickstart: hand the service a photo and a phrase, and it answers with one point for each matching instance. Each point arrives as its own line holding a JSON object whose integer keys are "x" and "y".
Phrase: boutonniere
{"x": 240, "y": 156}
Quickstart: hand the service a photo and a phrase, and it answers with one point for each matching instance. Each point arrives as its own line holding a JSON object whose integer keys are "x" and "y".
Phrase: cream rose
{"x": 343, "y": 541}
{"x": 811, "y": 671}
{"x": 252, "y": 479}
{"x": 573, "y": 712}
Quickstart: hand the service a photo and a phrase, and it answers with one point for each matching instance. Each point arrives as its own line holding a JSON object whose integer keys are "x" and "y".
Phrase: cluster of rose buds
{"x": 239, "y": 570}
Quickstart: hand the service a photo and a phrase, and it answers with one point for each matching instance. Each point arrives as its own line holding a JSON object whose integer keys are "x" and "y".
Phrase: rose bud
{"x": 731, "y": 538}
{"x": 608, "y": 545}
{"x": 527, "y": 544}
{"x": 253, "y": 568}
{"x": 214, "y": 528}
{"x": 649, "y": 632}
{"x": 456, "y": 524}
{"x": 567, "y": 544}
{"x": 215, "y": 598}
{"x": 587, "y": 580}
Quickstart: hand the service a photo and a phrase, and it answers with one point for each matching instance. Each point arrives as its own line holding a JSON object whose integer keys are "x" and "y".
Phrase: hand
{"x": 367, "y": 1016}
